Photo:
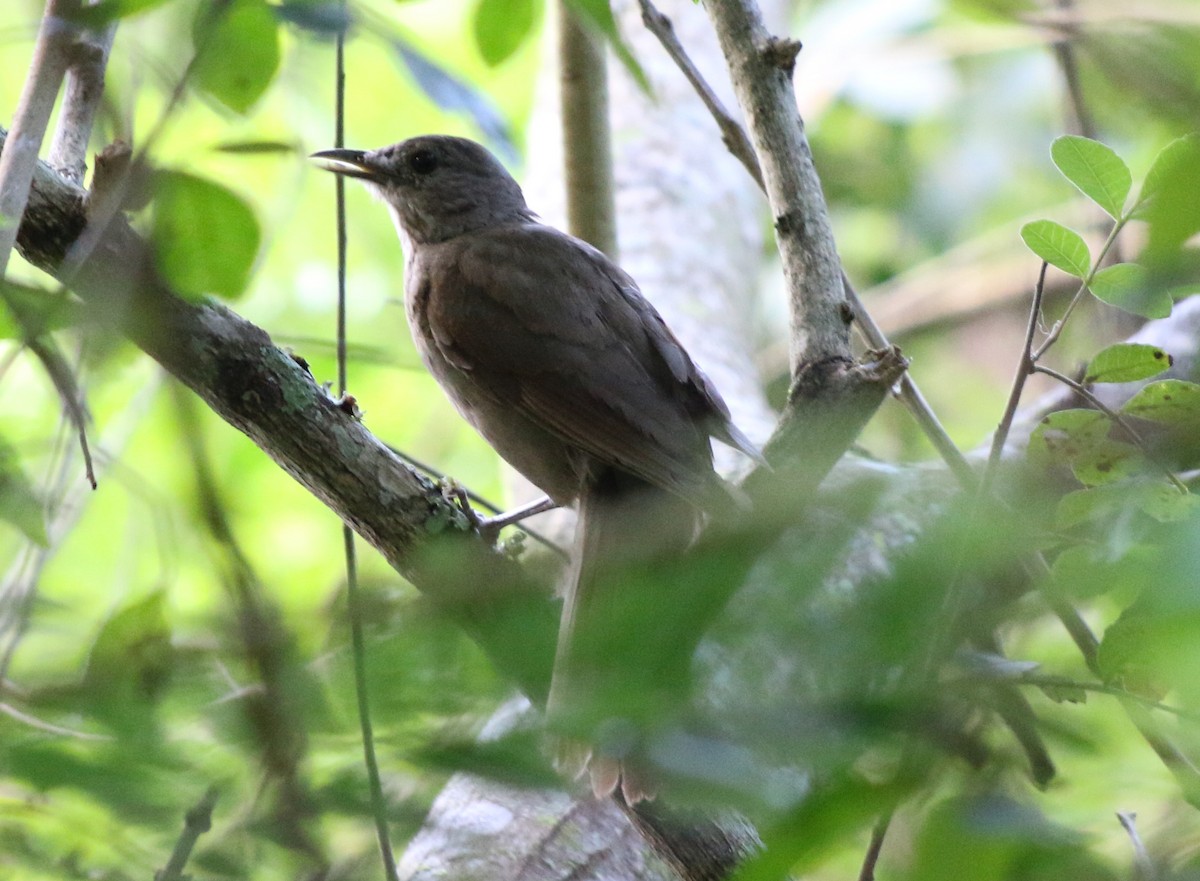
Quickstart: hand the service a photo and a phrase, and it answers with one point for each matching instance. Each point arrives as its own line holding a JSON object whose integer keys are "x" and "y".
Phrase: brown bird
{"x": 552, "y": 353}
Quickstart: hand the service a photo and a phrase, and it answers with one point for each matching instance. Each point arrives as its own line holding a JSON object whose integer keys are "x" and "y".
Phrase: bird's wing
{"x": 557, "y": 331}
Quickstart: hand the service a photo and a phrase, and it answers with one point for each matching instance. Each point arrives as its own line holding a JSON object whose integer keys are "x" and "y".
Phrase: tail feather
{"x": 608, "y": 671}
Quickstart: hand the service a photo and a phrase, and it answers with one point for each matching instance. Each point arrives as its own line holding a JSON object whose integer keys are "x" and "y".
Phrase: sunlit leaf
{"x": 501, "y": 26}
{"x": 1170, "y": 401}
{"x": 1128, "y": 287}
{"x": 19, "y": 504}
{"x": 1060, "y": 247}
{"x": 237, "y": 51}
{"x": 1126, "y": 362}
{"x": 1088, "y": 571}
{"x": 101, "y": 13}
{"x": 205, "y": 236}
{"x": 1170, "y": 200}
{"x": 1098, "y": 172}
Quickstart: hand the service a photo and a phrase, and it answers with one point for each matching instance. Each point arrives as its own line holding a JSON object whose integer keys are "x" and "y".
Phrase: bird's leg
{"x": 489, "y": 527}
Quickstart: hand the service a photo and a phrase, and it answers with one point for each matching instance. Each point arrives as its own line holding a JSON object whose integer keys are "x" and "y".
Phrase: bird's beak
{"x": 351, "y": 163}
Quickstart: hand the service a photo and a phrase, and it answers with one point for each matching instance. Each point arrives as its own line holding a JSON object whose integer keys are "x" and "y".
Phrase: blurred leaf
{"x": 1127, "y": 286}
{"x": 1087, "y": 571}
{"x": 457, "y": 96}
{"x": 105, "y": 11}
{"x": 840, "y": 808}
{"x": 517, "y": 759}
{"x": 1098, "y": 172}
{"x": 1170, "y": 200}
{"x": 1126, "y": 362}
{"x": 133, "y": 647}
{"x": 992, "y": 837}
{"x": 205, "y": 236}
{"x": 1064, "y": 693}
{"x": 325, "y": 18}
{"x": 599, "y": 14}
{"x": 237, "y": 51}
{"x": 256, "y": 147}
{"x": 24, "y": 307}
{"x": 19, "y": 504}
{"x": 1170, "y": 401}
{"x": 501, "y": 26}
{"x": 1060, "y": 247}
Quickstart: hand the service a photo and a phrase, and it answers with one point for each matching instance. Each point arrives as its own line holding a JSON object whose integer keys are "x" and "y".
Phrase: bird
{"x": 550, "y": 350}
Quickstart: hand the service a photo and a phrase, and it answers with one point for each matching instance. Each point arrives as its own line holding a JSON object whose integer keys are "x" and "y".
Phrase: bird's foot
{"x": 489, "y": 527}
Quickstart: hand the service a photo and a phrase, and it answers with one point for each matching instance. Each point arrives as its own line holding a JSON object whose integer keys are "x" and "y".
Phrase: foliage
{"x": 185, "y": 626}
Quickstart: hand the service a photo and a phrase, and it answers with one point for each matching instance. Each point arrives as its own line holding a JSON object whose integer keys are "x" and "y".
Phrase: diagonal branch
{"x": 265, "y": 393}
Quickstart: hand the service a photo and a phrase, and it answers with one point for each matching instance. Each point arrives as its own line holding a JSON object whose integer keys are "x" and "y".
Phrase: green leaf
{"x": 99, "y": 14}
{"x": 19, "y": 504}
{"x": 25, "y": 308}
{"x": 1170, "y": 200}
{"x": 1060, "y": 247}
{"x": 1098, "y": 172}
{"x": 501, "y": 26}
{"x": 1107, "y": 462}
{"x": 237, "y": 51}
{"x": 1126, "y": 362}
{"x": 1128, "y": 287}
{"x": 1170, "y": 401}
{"x": 598, "y": 13}
{"x": 205, "y": 236}
{"x": 1062, "y": 437}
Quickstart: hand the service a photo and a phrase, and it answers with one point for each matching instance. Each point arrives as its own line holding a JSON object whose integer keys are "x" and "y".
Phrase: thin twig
{"x": 353, "y": 600}
{"x": 871, "y": 858}
{"x": 1140, "y": 442}
{"x": 1057, "y": 329}
{"x": 196, "y": 822}
{"x": 46, "y": 70}
{"x": 71, "y": 394}
{"x": 732, "y": 133}
{"x": 1024, "y": 369}
{"x": 81, "y": 100}
{"x": 1143, "y": 866}
{"x": 1048, "y": 682}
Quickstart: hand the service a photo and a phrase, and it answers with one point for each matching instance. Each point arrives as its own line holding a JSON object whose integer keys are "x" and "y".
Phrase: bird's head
{"x": 437, "y": 187}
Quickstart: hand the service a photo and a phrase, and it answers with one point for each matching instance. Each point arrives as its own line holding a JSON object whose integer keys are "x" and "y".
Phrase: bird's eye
{"x": 423, "y": 161}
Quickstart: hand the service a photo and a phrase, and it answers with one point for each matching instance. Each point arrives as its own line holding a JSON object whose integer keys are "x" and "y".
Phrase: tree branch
{"x": 265, "y": 393}
{"x": 760, "y": 66}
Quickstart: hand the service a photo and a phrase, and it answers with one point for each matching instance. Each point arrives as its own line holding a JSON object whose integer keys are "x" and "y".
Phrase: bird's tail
{"x": 612, "y": 677}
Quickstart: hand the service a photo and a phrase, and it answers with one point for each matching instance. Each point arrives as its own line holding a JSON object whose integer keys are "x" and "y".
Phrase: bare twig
{"x": 51, "y": 55}
{"x": 1024, "y": 369}
{"x": 875, "y": 848}
{"x": 1143, "y": 866}
{"x": 738, "y": 143}
{"x": 196, "y": 822}
{"x": 81, "y": 100}
{"x": 732, "y": 133}
{"x": 74, "y": 405}
{"x": 353, "y": 599}
{"x": 1097, "y": 262}
{"x": 760, "y": 67}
